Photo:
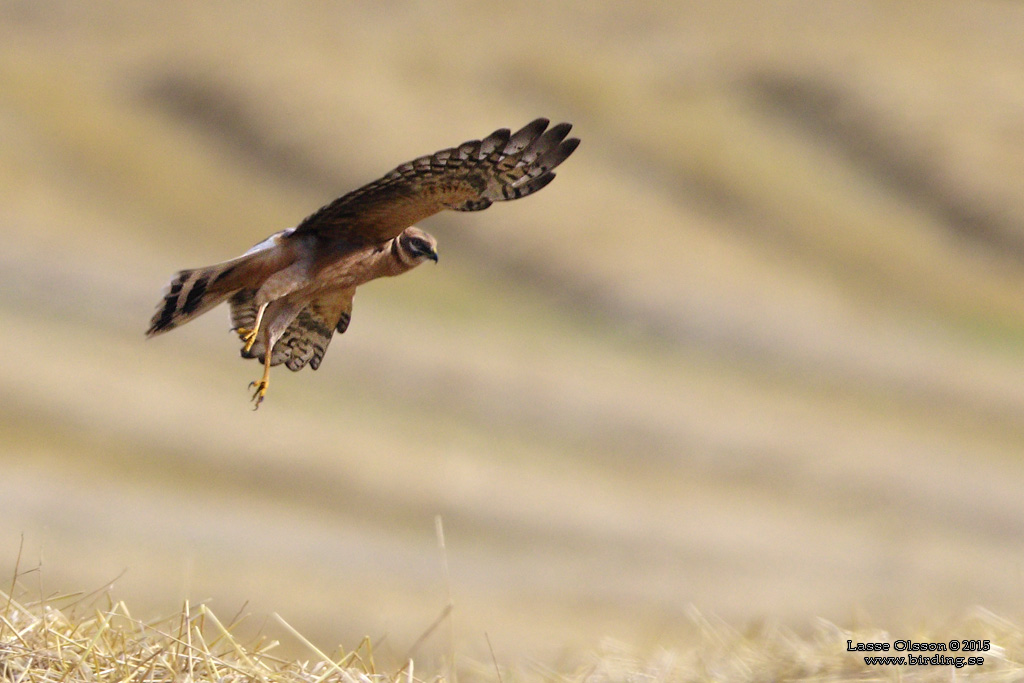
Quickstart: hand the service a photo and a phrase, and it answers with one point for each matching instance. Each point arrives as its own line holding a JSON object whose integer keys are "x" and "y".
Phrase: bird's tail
{"x": 193, "y": 292}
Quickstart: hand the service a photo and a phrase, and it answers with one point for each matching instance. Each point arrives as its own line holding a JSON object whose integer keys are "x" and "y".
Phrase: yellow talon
{"x": 261, "y": 386}
{"x": 248, "y": 336}
{"x": 261, "y": 391}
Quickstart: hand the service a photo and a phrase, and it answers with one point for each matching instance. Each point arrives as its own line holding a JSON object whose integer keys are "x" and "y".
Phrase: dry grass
{"x": 95, "y": 638}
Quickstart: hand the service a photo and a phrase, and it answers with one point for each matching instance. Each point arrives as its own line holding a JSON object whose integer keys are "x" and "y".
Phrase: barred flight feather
{"x": 470, "y": 177}
{"x": 306, "y": 338}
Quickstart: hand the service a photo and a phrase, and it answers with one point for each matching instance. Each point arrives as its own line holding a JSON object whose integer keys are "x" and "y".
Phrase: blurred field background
{"x": 757, "y": 353}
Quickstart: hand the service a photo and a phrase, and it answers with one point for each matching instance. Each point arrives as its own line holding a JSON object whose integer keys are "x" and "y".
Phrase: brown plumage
{"x": 291, "y": 292}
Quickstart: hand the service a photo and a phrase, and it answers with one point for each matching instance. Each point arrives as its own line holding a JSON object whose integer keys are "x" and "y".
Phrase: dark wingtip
{"x": 537, "y": 124}
{"x": 567, "y": 147}
{"x": 555, "y": 156}
{"x": 538, "y": 183}
{"x": 500, "y": 134}
{"x": 560, "y": 130}
{"x": 528, "y": 133}
{"x": 497, "y": 139}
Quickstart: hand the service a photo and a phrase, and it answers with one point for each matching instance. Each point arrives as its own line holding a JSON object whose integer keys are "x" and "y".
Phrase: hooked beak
{"x": 432, "y": 256}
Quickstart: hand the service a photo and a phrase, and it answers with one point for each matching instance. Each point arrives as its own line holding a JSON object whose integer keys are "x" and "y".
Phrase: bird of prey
{"x": 292, "y": 291}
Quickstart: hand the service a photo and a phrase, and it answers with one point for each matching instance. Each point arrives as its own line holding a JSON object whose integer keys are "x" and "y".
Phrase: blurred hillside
{"x": 759, "y": 349}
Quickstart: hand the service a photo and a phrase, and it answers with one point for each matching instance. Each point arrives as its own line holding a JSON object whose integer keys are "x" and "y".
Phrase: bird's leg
{"x": 249, "y": 336}
{"x": 261, "y": 386}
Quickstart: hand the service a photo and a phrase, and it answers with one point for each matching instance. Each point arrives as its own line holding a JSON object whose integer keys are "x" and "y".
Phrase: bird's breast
{"x": 351, "y": 269}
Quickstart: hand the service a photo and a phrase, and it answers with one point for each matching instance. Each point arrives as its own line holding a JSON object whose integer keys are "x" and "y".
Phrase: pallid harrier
{"x": 289, "y": 293}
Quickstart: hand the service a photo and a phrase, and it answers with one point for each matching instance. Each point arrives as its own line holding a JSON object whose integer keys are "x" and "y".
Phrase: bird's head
{"x": 417, "y": 246}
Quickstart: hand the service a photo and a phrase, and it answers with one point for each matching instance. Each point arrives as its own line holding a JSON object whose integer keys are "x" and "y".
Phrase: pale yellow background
{"x": 757, "y": 352}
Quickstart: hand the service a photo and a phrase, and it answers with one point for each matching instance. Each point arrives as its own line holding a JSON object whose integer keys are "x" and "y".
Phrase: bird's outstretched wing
{"x": 307, "y": 337}
{"x": 469, "y": 177}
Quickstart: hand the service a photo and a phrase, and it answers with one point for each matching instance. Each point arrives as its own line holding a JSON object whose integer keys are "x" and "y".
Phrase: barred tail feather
{"x": 193, "y": 292}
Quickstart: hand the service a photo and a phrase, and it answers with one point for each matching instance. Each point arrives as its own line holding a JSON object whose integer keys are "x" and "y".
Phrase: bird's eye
{"x": 419, "y": 246}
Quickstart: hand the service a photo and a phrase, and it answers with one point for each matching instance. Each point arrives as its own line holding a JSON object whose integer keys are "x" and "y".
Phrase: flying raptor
{"x": 289, "y": 293}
